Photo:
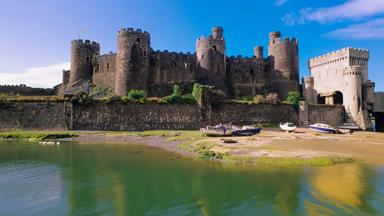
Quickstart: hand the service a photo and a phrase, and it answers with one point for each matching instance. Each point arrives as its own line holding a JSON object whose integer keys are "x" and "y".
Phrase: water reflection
{"x": 139, "y": 180}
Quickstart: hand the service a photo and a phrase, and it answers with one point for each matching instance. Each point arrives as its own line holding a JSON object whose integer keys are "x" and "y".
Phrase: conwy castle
{"x": 136, "y": 65}
{"x": 337, "y": 91}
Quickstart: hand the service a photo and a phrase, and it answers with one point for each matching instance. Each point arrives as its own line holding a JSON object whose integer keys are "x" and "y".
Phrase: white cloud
{"x": 46, "y": 76}
{"x": 280, "y": 2}
{"x": 350, "y": 10}
{"x": 373, "y": 29}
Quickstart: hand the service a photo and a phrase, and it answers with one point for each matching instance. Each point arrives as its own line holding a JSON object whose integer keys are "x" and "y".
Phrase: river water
{"x": 133, "y": 179}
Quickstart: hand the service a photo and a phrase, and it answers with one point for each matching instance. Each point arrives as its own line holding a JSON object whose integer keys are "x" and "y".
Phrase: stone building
{"x": 136, "y": 65}
{"x": 341, "y": 78}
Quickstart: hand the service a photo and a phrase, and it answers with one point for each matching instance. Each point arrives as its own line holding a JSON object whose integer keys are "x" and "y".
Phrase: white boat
{"x": 288, "y": 126}
{"x": 323, "y": 128}
{"x": 218, "y": 130}
{"x": 349, "y": 126}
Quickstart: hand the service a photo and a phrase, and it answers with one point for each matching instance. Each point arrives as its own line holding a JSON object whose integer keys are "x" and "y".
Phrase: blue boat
{"x": 323, "y": 128}
{"x": 245, "y": 131}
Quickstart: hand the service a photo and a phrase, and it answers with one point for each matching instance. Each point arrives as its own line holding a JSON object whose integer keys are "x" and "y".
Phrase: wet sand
{"x": 272, "y": 143}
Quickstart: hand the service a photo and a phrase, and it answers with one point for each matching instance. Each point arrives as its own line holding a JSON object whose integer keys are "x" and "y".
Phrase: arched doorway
{"x": 338, "y": 98}
{"x": 320, "y": 99}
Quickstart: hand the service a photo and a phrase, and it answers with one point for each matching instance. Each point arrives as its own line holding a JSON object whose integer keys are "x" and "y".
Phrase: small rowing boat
{"x": 288, "y": 126}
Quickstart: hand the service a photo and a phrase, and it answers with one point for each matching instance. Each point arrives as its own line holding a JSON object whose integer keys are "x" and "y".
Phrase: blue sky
{"x": 36, "y": 34}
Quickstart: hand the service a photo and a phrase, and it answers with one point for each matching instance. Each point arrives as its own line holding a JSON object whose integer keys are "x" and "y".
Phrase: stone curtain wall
{"x": 129, "y": 116}
{"x": 243, "y": 114}
{"x": 328, "y": 114}
{"x": 120, "y": 116}
{"x": 32, "y": 116}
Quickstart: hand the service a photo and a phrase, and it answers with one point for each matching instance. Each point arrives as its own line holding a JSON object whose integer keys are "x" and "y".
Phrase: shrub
{"x": 181, "y": 99}
{"x": 176, "y": 90}
{"x": 293, "y": 98}
{"x": 82, "y": 98}
{"x": 197, "y": 91}
{"x": 259, "y": 99}
{"x": 272, "y": 98}
{"x": 101, "y": 90}
{"x": 136, "y": 94}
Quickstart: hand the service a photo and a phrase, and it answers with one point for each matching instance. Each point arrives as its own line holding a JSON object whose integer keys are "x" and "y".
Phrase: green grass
{"x": 286, "y": 162}
{"x": 36, "y": 135}
{"x": 295, "y": 162}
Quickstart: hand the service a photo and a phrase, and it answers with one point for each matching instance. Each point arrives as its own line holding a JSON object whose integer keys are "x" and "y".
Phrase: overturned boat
{"x": 323, "y": 128}
{"x": 288, "y": 126}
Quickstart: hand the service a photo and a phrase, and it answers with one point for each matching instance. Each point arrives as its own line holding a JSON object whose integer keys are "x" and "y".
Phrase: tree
{"x": 293, "y": 98}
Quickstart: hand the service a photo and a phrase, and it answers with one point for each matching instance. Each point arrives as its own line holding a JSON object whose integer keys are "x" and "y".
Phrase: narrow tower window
{"x": 138, "y": 40}
{"x": 107, "y": 65}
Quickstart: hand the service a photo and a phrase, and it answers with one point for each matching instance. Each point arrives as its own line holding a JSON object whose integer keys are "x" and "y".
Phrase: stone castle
{"x": 341, "y": 78}
{"x": 136, "y": 65}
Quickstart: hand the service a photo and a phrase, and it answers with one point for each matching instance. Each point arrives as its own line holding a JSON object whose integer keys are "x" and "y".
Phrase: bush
{"x": 293, "y": 98}
{"x": 272, "y": 98}
{"x": 259, "y": 99}
{"x": 82, "y": 98}
{"x": 101, "y": 91}
{"x": 176, "y": 90}
{"x": 136, "y": 94}
{"x": 197, "y": 91}
{"x": 181, "y": 99}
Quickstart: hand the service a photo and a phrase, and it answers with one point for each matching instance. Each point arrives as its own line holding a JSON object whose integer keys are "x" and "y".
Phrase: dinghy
{"x": 323, "y": 128}
{"x": 218, "y": 130}
{"x": 288, "y": 126}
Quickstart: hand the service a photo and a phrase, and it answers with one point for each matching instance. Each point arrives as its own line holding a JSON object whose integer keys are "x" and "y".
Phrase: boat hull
{"x": 246, "y": 132}
{"x": 322, "y": 130}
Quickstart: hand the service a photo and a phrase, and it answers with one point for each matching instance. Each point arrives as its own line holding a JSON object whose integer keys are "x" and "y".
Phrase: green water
{"x": 122, "y": 179}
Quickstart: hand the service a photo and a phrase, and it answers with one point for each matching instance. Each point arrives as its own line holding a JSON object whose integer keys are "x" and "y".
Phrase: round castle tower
{"x": 132, "y": 60}
{"x": 211, "y": 58}
{"x": 258, "y": 52}
{"x": 353, "y": 100}
{"x": 284, "y": 57}
{"x": 82, "y": 55}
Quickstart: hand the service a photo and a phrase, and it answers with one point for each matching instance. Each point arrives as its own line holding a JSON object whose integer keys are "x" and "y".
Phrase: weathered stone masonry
{"x": 130, "y": 116}
{"x": 136, "y": 66}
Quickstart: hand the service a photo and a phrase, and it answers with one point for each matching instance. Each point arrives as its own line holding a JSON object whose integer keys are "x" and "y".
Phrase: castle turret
{"x": 308, "y": 90}
{"x": 353, "y": 96}
{"x": 82, "y": 55}
{"x": 258, "y": 52}
{"x": 284, "y": 58}
{"x": 369, "y": 94}
{"x": 132, "y": 60}
{"x": 211, "y": 59}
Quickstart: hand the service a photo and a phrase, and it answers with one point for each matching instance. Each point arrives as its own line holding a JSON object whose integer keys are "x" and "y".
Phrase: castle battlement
{"x": 135, "y": 65}
{"x": 135, "y": 32}
{"x": 85, "y": 42}
{"x": 340, "y": 51}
